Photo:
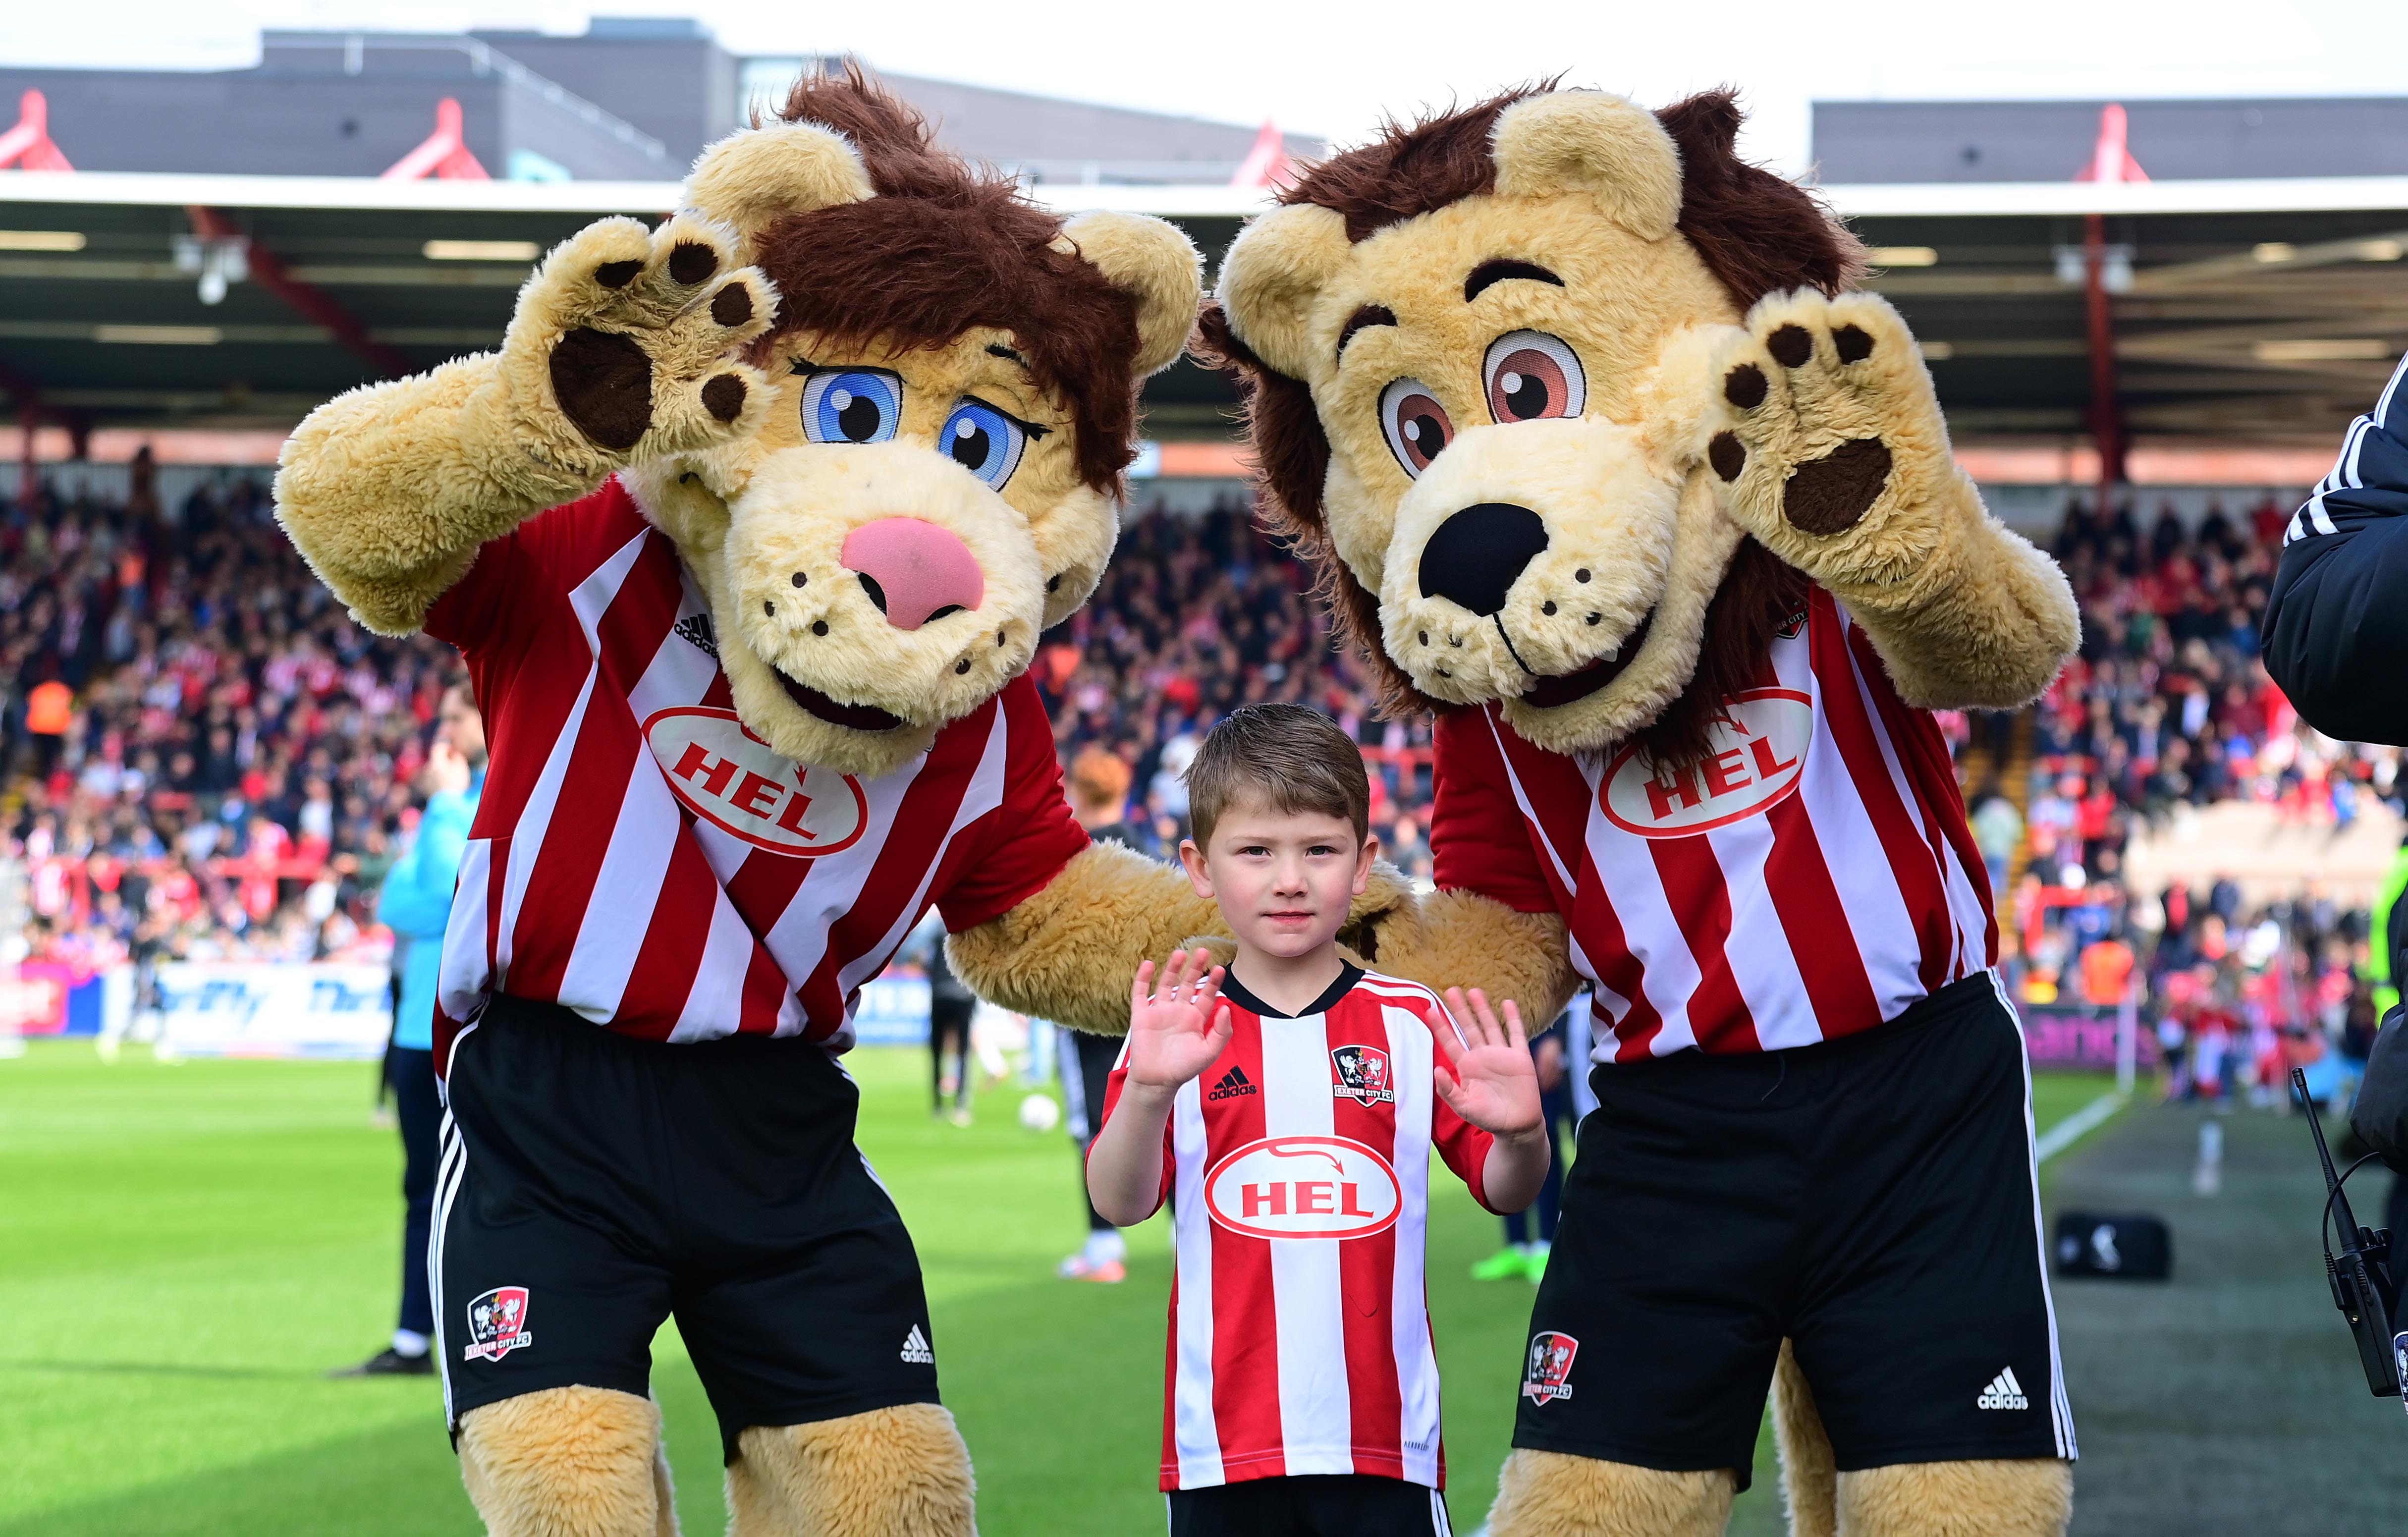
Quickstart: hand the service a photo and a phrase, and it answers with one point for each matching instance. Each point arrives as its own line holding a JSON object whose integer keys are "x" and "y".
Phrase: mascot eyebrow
{"x": 1501, "y": 269}
{"x": 1370, "y": 314}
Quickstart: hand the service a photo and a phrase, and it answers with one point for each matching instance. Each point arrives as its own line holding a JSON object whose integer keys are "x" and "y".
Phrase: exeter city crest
{"x": 1362, "y": 1075}
{"x": 1550, "y": 1364}
{"x": 497, "y": 1324}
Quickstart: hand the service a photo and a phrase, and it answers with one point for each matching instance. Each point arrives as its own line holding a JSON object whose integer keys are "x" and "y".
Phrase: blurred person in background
{"x": 1524, "y": 1257}
{"x": 1098, "y": 790}
{"x": 415, "y": 902}
{"x": 951, "y": 1004}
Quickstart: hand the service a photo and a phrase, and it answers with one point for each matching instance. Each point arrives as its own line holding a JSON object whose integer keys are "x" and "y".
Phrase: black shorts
{"x": 1872, "y": 1198}
{"x": 1309, "y": 1505}
{"x": 594, "y": 1184}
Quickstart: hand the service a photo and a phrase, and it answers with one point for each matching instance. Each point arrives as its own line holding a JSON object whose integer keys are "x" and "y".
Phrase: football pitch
{"x": 185, "y": 1250}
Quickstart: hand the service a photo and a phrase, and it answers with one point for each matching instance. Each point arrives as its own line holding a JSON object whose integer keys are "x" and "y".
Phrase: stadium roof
{"x": 2263, "y": 311}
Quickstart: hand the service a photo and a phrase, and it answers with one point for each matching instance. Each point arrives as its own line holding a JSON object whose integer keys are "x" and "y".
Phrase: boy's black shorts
{"x": 1872, "y": 1198}
{"x": 593, "y": 1185}
{"x": 1309, "y": 1505}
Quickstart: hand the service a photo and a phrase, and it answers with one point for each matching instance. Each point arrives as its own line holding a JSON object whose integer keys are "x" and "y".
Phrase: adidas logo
{"x": 694, "y": 629}
{"x": 915, "y": 1348}
{"x": 1234, "y": 1083}
{"x": 2004, "y": 1392}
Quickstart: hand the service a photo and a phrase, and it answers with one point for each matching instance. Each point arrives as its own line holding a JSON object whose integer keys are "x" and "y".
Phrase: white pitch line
{"x": 2065, "y": 1133}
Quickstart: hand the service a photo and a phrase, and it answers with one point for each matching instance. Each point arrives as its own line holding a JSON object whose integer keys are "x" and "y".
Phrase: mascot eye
{"x": 851, "y": 406}
{"x": 983, "y": 440}
{"x": 1416, "y": 424}
{"x": 1531, "y": 377}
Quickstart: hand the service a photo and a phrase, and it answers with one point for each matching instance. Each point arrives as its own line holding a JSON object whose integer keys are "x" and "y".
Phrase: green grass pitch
{"x": 185, "y": 1250}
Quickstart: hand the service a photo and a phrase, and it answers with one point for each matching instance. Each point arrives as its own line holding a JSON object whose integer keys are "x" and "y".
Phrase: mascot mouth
{"x": 852, "y": 717}
{"x": 1551, "y": 693}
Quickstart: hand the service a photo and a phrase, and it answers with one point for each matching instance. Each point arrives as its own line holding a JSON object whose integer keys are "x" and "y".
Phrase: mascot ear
{"x": 1277, "y": 266}
{"x": 757, "y": 175}
{"x": 1585, "y": 141}
{"x": 1154, "y": 264}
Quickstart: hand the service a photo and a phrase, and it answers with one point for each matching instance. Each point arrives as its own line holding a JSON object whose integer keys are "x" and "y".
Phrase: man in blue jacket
{"x": 415, "y": 902}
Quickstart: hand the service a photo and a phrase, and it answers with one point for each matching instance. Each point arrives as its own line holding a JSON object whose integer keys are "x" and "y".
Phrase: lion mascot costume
{"x": 747, "y": 534}
{"x": 1601, "y": 460}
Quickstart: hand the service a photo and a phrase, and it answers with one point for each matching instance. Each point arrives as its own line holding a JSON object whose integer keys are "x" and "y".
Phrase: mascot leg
{"x": 568, "y": 1462}
{"x": 1548, "y": 1494}
{"x": 1806, "y": 1470}
{"x": 890, "y": 1472}
{"x": 2031, "y": 1497}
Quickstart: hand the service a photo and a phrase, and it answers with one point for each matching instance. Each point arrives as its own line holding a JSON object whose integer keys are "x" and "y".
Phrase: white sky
{"x": 1328, "y": 67}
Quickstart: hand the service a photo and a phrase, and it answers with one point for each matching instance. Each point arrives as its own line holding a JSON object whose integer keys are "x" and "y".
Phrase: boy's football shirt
{"x": 1298, "y": 1163}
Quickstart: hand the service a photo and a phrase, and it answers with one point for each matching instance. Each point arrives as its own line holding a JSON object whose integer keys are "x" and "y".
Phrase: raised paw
{"x": 1827, "y": 425}
{"x": 626, "y": 338}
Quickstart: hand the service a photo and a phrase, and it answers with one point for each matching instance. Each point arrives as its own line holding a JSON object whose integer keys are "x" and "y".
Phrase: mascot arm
{"x": 616, "y": 353}
{"x": 1070, "y": 952}
{"x": 1460, "y": 938}
{"x": 1830, "y": 449}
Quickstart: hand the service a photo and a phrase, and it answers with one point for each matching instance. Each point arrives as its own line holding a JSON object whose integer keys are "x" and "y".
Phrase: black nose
{"x": 1475, "y": 554}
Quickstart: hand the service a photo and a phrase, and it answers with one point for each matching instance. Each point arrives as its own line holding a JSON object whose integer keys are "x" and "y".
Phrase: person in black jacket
{"x": 2336, "y": 642}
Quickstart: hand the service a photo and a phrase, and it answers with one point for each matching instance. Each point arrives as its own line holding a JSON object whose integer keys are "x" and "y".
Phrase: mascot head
{"x": 957, "y": 372}
{"x": 1474, "y": 358}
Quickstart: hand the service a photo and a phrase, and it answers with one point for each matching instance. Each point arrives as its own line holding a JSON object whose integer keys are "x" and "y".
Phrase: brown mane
{"x": 1756, "y": 232}
{"x": 944, "y": 248}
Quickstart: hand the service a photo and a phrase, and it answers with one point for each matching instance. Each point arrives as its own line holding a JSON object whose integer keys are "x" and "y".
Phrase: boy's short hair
{"x": 1293, "y": 758}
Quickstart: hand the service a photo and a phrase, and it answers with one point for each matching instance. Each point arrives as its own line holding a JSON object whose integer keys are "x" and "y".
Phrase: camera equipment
{"x": 2361, "y": 1275}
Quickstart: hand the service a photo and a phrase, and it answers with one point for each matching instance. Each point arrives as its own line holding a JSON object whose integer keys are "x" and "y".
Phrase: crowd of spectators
{"x": 202, "y": 756}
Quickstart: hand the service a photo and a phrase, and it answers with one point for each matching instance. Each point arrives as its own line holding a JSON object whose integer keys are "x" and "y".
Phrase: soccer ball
{"x": 1038, "y": 1112}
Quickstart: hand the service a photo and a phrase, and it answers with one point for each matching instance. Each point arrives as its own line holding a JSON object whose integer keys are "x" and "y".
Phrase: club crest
{"x": 497, "y": 1324}
{"x": 1362, "y": 1075}
{"x": 1550, "y": 1364}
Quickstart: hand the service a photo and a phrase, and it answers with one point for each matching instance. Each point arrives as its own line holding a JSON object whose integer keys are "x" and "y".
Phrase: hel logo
{"x": 1362, "y": 1075}
{"x": 1551, "y": 1363}
{"x": 741, "y": 785}
{"x": 1303, "y": 1188}
{"x": 497, "y": 1324}
{"x": 1755, "y": 753}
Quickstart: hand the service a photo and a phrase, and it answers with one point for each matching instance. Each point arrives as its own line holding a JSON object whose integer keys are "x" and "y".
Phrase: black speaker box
{"x": 2125, "y": 1246}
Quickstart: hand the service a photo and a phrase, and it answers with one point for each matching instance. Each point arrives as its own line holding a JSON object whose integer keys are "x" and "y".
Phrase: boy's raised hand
{"x": 1178, "y": 1033}
{"x": 1493, "y": 1085}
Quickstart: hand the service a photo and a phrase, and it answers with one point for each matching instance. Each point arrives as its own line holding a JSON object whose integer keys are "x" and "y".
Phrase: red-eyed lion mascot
{"x": 1602, "y": 460}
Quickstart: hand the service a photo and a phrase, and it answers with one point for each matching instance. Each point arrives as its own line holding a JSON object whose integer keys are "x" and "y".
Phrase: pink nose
{"x": 913, "y": 570}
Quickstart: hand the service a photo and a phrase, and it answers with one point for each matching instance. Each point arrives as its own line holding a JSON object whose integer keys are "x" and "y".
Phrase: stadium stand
{"x": 204, "y": 757}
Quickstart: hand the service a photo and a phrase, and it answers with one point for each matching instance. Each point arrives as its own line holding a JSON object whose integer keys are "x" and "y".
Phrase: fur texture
{"x": 1548, "y": 1494}
{"x": 568, "y": 1462}
{"x": 2026, "y": 1498}
{"x": 1808, "y": 1483}
{"x": 388, "y": 490}
{"x": 1069, "y": 952}
{"x": 889, "y": 1472}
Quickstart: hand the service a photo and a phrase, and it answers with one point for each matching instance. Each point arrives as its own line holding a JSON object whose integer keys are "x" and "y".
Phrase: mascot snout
{"x": 876, "y": 587}
{"x": 1524, "y": 554}
{"x": 913, "y": 569}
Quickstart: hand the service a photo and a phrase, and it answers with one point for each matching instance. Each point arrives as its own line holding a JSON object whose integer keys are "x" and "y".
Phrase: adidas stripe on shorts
{"x": 1871, "y": 1198}
{"x": 594, "y": 1184}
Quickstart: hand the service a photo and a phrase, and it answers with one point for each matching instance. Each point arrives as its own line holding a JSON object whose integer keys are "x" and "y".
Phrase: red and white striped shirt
{"x": 1811, "y": 879}
{"x": 642, "y": 859}
{"x": 1299, "y": 1334}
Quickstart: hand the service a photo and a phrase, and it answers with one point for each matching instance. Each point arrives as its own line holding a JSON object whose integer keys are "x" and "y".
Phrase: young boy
{"x": 1291, "y": 1102}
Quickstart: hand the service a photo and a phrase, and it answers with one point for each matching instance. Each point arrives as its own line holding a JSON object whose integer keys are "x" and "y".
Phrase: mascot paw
{"x": 1829, "y": 442}
{"x": 622, "y": 347}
